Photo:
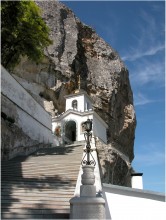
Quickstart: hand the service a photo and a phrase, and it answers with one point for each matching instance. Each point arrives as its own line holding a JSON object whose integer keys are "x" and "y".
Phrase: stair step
{"x": 37, "y": 197}
{"x": 43, "y": 165}
{"x": 65, "y": 163}
{"x": 34, "y": 202}
{"x": 35, "y": 216}
{"x": 40, "y": 185}
{"x": 50, "y": 193}
{"x": 37, "y": 210}
{"x": 36, "y": 206}
{"x": 32, "y": 183}
{"x": 55, "y": 175}
{"x": 54, "y": 171}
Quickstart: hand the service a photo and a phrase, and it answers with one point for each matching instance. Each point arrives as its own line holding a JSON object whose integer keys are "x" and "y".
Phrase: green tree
{"x": 23, "y": 32}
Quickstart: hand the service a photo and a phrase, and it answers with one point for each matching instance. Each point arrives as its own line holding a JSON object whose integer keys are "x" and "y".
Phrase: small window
{"x": 74, "y": 104}
{"x": 87, "y": 106}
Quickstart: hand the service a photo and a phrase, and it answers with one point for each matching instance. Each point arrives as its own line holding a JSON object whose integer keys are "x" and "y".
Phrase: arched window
{"x": 74, "y": 104}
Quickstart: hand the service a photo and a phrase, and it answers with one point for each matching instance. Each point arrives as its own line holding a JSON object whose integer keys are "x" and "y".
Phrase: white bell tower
{"x": 79, "y": 101}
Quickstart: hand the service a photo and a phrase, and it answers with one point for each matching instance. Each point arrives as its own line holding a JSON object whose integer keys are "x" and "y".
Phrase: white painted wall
{"x": 78, "y": 119}
{"x": 99, "y": 129}
{"x": 82, "y": 101}
{"x": 129, "y": 204}
{"x": 15, "y": 92}
{"x": 32, "y": 118}
{"x": 87, "y": 103}
{"x": 137, "y": 182}
{"x": 33, "y": 128}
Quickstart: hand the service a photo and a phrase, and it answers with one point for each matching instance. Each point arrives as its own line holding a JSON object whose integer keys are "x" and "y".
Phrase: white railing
{"x": 96, "y": 173}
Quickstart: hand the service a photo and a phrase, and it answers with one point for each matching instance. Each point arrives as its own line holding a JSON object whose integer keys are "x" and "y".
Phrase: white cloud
{"x": 141, "y": 99}
{"x": 148, "y": 71}
{"x": 149, "y": 38}
{"x": 136, "y": 53}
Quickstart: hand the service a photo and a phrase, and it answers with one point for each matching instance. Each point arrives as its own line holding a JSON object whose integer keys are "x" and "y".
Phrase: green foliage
{"x": 23, "y": 32}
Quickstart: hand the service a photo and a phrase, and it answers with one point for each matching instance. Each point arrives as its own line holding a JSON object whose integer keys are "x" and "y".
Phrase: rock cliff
{"x": 78, "y": 50}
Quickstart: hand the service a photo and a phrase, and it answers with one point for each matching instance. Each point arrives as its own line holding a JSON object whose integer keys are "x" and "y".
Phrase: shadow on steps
{"x": 40, "y": 185}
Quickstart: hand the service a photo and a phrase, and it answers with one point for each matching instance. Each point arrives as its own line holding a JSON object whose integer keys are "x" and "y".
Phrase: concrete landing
{"x": 40, "y": 186}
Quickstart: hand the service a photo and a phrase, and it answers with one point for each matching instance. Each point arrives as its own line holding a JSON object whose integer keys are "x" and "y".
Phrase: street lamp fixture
{"x": 88, "y": 136}
{"x": 88, "y": 125}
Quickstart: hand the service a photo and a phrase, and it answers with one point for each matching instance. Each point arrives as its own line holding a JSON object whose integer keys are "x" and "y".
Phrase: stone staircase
{"x": 40, "y": 186}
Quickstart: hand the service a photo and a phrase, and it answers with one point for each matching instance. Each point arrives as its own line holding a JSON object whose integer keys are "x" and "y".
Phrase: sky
{"x": 136, "y": 30}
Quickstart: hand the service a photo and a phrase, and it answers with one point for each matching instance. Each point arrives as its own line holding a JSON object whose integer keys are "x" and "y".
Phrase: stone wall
{"x": 25, "y": 124}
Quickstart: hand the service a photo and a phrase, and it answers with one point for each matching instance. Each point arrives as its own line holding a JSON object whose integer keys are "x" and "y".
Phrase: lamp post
{"x": 88, "y": 205}
{"x": 88, "y": 136}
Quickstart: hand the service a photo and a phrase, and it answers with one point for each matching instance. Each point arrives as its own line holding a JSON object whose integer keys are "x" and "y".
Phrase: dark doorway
{"x": 70, "y": 130}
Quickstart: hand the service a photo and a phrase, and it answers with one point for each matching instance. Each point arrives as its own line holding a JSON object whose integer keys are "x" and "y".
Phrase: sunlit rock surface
{"x": 78, "y": 50}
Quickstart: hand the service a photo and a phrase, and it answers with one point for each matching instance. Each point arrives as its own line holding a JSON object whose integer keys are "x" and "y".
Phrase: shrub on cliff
{"x": 23, "y": 32}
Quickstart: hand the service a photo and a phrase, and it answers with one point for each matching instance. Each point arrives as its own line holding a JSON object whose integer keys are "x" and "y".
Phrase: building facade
{"x": 68, "y": 127}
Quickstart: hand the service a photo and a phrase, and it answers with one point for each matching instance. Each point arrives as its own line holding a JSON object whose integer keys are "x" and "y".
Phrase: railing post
{"x": 88, "y": 205}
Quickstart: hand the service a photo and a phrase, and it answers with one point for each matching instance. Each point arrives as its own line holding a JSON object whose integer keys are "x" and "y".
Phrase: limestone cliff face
{"x": 78, "y": 50}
